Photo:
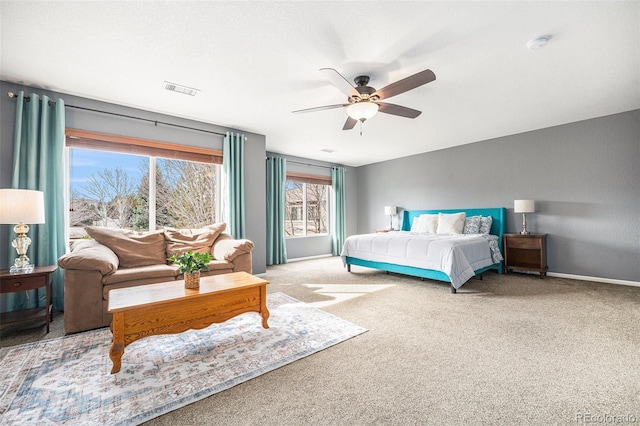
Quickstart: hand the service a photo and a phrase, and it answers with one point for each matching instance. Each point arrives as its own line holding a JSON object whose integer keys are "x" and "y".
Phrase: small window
{"x": 307, "y": 205}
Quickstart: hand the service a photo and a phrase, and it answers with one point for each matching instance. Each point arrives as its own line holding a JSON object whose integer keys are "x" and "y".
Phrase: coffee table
{"x": 169, "y": 308}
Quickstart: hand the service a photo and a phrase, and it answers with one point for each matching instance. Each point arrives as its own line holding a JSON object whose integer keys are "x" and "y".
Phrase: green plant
{"x": 191, "y": 262}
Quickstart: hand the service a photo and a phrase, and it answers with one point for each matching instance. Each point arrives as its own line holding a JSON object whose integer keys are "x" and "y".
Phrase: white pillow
{"x": 451, "y": 223}
{"x": 429, "y": 223}
{"x": 415, "y": 224}
{"x": 425, "y": 223}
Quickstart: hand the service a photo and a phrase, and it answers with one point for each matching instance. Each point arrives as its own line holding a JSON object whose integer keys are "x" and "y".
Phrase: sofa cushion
{"x": 90, "y": 255}
{"x": 200, "y": 240}
{"x": 215, "y": 267}
{"x": 142, "y": 272}
{"x": 132, "y": 248}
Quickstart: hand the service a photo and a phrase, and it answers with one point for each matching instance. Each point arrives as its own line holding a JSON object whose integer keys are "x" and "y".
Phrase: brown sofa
{"x": 116, "y": 258}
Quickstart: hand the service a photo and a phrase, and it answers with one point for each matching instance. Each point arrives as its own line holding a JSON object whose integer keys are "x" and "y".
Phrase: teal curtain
{"x": 276, "y": 203}
{"x": 38, "y": 163}
{"x": 339, "y": 209}
{"x": 233, "y": 171}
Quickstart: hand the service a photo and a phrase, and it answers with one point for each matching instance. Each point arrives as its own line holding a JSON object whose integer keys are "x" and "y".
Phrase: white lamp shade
{"x": 363, "y": 110}
{"x": 21, "y": 205}
{"x": 524, "y": 206}
{"x": 389, "y": 210}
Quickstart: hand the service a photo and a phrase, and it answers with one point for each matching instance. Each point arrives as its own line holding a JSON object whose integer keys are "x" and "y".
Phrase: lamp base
{"x": 524, "y": 225}
{"x": 22, "y": 265}
{"x": 21, "y": 269}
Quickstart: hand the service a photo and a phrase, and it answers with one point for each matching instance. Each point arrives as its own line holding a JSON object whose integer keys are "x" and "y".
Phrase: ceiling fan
{"x": 363, "y": 101}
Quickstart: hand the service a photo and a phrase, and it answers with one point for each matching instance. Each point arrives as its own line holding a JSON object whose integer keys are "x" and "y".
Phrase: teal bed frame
{"x": 498, "y": 227}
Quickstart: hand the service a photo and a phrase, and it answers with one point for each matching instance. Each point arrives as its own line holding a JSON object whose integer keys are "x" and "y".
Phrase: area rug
{"x": 67, "y": 380}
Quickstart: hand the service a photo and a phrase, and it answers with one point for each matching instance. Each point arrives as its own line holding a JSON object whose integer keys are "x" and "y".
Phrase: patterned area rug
{"x": 67, "y": 380}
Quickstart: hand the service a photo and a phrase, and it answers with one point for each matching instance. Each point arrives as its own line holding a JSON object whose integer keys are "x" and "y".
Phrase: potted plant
{"x": 190, "y": 264}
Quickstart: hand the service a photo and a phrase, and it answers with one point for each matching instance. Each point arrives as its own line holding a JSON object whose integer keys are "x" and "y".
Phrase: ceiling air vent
{"x": 180, "y": 89}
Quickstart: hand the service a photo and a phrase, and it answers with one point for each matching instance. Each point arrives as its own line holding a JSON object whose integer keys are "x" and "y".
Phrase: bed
{"x": 449, "y": 258}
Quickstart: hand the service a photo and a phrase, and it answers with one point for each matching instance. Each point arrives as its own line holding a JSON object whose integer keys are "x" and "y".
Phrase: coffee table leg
{"x": 264, "y": 312}
{"x": 265, "y": 315}
{"x": 117, "y": 347}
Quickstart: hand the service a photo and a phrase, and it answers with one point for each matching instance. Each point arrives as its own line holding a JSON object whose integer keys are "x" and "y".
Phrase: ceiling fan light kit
{"x": 362, "y": 110}
{"x": 364, "y": 101}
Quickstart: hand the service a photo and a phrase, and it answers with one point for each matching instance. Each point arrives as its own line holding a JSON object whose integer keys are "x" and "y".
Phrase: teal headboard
{"x": 498, "y": 227}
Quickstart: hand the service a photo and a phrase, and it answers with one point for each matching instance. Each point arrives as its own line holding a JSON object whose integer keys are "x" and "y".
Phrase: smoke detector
{"x": 173, "y": 87}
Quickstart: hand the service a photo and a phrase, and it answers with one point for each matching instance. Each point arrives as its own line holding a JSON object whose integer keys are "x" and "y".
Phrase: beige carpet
{"x": 508, "y": 350}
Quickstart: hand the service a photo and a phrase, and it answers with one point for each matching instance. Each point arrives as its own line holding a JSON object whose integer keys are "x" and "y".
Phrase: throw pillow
{"x": 472, "y": 225}
{"x": 485, "y": 224}
{"x": 197, "y": 240}
{"x": 451, "y": 223}
{"x": 415, "y": 224}
{"x": 427, "y": 223}
{"x": 132, "y": 248}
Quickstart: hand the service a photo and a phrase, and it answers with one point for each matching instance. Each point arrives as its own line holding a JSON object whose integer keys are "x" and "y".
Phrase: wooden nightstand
{"x": 525, "y": 253}
{"x": 13, "y": 283}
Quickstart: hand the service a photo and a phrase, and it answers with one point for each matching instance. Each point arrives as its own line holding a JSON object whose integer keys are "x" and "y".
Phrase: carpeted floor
{"x": 508, "y": 350}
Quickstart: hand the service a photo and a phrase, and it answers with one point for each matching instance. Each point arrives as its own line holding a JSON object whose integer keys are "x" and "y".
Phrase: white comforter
{"x": 458, "y": 256}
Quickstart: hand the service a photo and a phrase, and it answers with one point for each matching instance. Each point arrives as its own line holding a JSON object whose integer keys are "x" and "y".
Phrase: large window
{"x": 307, "y": 205}
{"x": 122, "y": 184}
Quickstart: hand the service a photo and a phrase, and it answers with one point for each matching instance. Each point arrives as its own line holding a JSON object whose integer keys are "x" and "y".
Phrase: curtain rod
{"x": 308, "y": 164}
{"x": 155, "y": 122}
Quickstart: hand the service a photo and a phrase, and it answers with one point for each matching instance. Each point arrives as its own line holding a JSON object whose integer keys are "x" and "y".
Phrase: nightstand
{"x": 13, "y": 283}
{"x": 525, "y": 253}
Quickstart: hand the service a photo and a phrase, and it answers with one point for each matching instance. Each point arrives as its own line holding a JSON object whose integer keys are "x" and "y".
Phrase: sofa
{"x": 115, "y": 258}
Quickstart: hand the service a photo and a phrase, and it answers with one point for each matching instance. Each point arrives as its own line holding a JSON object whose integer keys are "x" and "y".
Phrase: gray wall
{"x": 255, "y": 148}
{"x": 300, "y": 247}
{"x": 584, "y": 177}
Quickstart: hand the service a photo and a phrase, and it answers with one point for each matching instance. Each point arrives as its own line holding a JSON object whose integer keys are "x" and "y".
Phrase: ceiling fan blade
{"x": 339, "y": 81}
{"x": 320, "y": 108}
{"x": 398, "y": 110}
{"x": 406, "y": 84}
{"x": 349, "y": 124}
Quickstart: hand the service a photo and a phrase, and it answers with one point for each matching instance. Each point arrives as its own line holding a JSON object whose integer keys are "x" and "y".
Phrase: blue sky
{"x": 85, "y": 162}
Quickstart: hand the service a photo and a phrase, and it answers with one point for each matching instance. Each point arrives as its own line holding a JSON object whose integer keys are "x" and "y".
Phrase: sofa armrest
{"x": 228, "y": 248}
{"x": 90, "y": 255}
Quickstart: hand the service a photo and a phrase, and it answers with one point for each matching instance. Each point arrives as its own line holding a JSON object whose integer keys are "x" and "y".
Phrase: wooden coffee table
{"x": 169, "y": 308}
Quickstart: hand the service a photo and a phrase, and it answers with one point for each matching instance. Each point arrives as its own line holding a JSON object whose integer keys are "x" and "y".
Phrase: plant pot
{"x": 192, "y": 280}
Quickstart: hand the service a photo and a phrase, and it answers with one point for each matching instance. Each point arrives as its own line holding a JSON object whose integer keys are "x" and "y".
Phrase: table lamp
{"x": 390, "y": 211}
{"x": 524, "y": 207}
{"x": 21, "y": 206}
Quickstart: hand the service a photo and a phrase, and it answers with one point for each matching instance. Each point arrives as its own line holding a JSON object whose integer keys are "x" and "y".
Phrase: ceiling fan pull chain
{"x": 361, "y": 128}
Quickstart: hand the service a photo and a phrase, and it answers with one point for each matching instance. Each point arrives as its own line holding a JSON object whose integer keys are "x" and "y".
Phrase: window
{"x": 121, "y": 183}
{"x": 307, "y": 205}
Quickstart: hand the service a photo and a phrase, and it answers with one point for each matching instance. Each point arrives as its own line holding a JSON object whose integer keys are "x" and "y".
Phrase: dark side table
{"x": 525, "y": 253}
{"x": 41, "y": 276}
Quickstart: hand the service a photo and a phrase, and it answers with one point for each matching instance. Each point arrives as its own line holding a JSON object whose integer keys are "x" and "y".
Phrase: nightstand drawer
{"x": 22, "y": 283}
{"x": 524, "y": 243}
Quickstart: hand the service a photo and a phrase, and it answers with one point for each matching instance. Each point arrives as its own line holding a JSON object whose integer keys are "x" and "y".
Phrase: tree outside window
{"x": 306, "y": 211}
{"x": 115, "y": 190}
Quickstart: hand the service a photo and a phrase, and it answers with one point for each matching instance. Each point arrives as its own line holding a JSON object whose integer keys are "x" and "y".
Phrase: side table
{"x": 13, "y": 283}
{"x": 525, "y": 253}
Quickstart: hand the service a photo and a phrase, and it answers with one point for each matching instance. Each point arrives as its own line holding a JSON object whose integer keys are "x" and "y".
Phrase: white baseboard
{"x": 298, "y": 259}
{"x": 594, "y": 279}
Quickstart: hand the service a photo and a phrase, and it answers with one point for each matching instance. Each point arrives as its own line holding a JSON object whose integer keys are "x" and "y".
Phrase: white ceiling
{"x": 255, "y": 62}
